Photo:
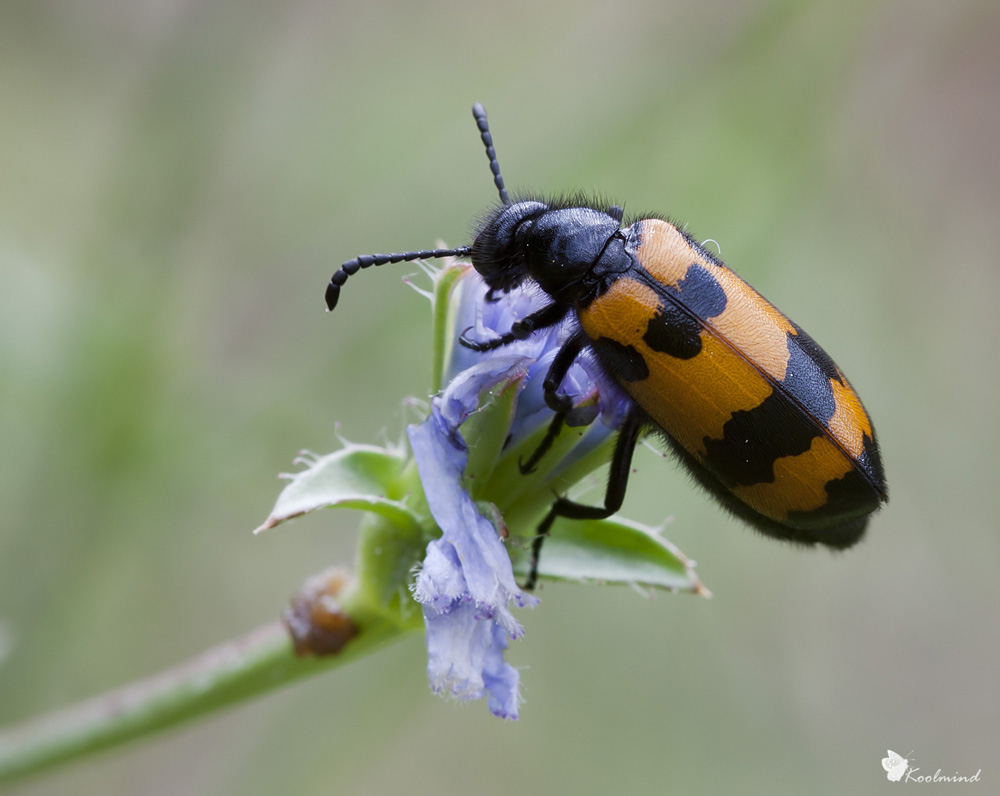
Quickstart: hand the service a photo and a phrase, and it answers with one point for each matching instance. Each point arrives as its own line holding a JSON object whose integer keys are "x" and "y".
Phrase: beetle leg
{"x": 556, "y": 401}
{"x": 519, "y": 330}
{"x": 621, "y": 464}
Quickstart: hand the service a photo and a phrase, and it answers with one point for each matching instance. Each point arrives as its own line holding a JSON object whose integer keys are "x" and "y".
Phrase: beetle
{"x": 754, "y": 409}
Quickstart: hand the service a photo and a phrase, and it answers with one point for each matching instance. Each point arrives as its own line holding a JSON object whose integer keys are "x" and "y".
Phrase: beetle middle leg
{"x": 621, "y": 464}
{"x": 558, "y": 402}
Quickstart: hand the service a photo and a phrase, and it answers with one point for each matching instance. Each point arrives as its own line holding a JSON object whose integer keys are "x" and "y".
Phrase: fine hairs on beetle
{"x": 755, "y": 410}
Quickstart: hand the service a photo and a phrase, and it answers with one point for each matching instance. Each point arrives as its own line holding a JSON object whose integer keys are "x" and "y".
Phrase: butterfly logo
{"x": 895, "y": 766}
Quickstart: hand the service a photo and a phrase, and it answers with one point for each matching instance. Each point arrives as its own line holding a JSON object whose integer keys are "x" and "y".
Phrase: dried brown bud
{"x": 315, "y": 620}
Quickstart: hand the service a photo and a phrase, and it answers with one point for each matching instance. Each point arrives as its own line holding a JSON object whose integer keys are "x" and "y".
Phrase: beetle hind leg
{"x": 530, "y": 464}
{"x": 621, "y": 463}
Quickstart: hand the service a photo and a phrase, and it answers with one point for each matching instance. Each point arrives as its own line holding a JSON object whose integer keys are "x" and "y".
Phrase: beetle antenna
{"x": 368, "y": 260}
{"x": 484, "y": 130}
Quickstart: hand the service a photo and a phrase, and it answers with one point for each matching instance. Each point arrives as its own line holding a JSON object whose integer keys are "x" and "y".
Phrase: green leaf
{"x": 612, "y": 551}
{"x": 358, "y": 477}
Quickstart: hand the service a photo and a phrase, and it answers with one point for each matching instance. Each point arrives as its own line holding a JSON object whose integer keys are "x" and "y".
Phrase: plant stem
{"x": 224, "y": 675}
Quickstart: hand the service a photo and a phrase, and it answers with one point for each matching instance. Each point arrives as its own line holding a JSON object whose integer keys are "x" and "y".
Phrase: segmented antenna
{"x": 368, "y": 260}
{"x": 484, "y": 130}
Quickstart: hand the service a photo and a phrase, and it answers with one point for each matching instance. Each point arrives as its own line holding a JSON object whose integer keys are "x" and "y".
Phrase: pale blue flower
{"x": 468, "y": 506}
{"x": 466, "y": 583}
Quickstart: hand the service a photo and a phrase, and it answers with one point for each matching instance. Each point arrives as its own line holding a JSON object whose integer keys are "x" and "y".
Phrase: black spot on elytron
{"x": 805, "y": 528}
{"x": 676, "y": 328}
{"x": 622, "y": 361}
{"x": 808, "y": 381}
{"x": 752, "y": 440}
{"x": 842, "y": 519}
{"x": 674, "y": 332}
{"x": 850, "y": 496}
{"x": 812, "y": 350}
{"x": 699, "y": 292}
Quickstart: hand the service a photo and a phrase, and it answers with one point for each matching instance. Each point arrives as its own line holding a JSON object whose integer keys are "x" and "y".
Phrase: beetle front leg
{"x": 519, "y": 330}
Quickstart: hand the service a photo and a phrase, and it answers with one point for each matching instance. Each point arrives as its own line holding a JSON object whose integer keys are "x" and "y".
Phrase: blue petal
{"x": 465, "y": 659}
{"x": 441, "y": 456}
{"x": 585, "y": 379}
{"x": 486, "y": 320}
{"x": 466, "y": 583}
{"x": 501, "y": 678}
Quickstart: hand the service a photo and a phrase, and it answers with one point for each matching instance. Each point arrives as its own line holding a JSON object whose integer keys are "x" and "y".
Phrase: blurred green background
{"x": 179, "y": 179}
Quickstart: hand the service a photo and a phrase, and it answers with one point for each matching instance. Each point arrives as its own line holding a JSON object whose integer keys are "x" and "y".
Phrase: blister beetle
{"x": 752, "y": 406}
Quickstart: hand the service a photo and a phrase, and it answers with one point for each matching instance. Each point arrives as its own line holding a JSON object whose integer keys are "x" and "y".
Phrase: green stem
{"x": 224, "y": 675}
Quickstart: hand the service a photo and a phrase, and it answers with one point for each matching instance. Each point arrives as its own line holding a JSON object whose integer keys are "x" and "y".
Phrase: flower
{"x": 464, "y": 517}
{"x": 466, "y": 583}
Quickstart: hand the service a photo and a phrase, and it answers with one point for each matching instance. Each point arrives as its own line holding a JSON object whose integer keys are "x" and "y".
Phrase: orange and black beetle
{"x": 754, "y": 408}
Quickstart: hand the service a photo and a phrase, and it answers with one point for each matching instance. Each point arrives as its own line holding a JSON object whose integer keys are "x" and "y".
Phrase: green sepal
{"x": 443, "y": 333}
{"x": 486, "y": 430}
{"x": 393, "y": 535}
{"x": 358, "y": 477}
{"x": 529, "y": 495}
{"x": 383, "y": 568}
